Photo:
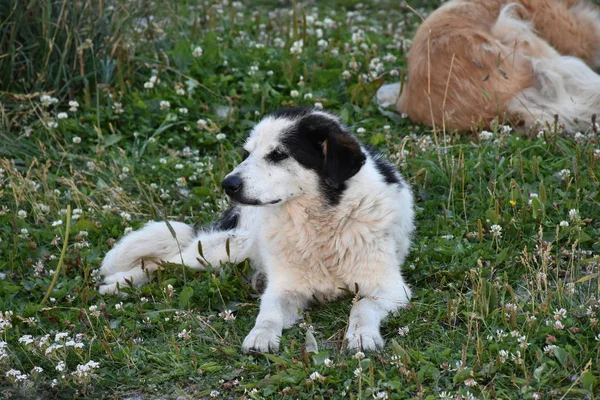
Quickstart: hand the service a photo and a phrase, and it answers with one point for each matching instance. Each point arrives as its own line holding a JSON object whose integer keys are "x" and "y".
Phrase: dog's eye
{"x": 276, "y": 156}
{"x": 245, "y": 155}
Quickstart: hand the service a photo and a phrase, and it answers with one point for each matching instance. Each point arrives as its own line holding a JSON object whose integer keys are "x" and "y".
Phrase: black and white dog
{"x": 314, "y": 210}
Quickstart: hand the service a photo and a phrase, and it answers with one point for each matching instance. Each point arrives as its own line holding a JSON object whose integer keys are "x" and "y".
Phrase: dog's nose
{"x": 232, "y": 184}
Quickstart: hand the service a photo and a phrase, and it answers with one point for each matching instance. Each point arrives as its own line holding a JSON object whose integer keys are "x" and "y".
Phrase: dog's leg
{"x": 217, "y": 247}
{"x": 368, "y": 312}
{"x": 279, "y": 309}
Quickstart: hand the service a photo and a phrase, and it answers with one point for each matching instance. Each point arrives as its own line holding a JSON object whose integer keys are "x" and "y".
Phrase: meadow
{"x": 117, "y": 112}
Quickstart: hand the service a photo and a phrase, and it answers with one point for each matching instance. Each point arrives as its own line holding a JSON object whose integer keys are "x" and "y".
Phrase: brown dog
{"x": 524, "y": 60}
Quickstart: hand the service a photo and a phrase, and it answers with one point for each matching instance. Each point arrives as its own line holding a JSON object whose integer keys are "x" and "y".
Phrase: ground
{"x": 119, "y": 112}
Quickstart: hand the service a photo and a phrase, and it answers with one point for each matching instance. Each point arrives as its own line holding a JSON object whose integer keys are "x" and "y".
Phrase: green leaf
{"x": 185, "y": 296}
{"x": 311, "y": 343}
{"x": 588, "y": 380}
{"x": 400, "y": 352}
{"x": 562, "y": 356}
{"x": 537, "y": 373}
{"x": 112, "y": 139}
{"x": 276, "y": 359}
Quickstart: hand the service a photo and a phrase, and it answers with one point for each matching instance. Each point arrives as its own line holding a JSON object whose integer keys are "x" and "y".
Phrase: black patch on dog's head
{"x": 385, "y": 169}
{"x": 320, "y": 143}
{"x": 228, "y": 221}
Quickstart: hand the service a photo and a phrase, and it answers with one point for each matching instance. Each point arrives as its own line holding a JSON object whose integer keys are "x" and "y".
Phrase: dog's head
{"x": 295, "y": 152}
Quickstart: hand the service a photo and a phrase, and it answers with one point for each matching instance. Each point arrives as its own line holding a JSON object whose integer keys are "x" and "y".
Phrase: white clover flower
{"x": 37, "y": 370}
{"x": 558, "y": 325}
{"x": 573, "y": 214}
{"x": 560, "y": 314}
{"x": 503, "y": 356}
{"x": 17, "y": 375}
{"x": 202, "y": 124}
{"x": 169, "y": 290}
{"x": 197, "y": 52}
{"x": 76, "y": 139}
{"x": 184, "y": 334}
{"x": 563, "y": 224}
{"x": 485, "y": 135}
{"x": 361, "y": 130}
{"x": 564, "y": 174}
{"x": 315, "y": 376}
{"x": 183, "y": 110}
{"x": 26, "y": 339}
{"x": 297, "y": 47}
{"x": 48, "y": 100}
{"x": 358, "y": 36}
{"x": 21, "y": 214}
{"x": 294, "y": 93}
{"x": 346, "y": 75}
{"x": 62, "y": 115}
{"x": 52, "y": 124}
{"x": 221, "y": 136}
{"x": 165, "y": 105}
{"x": 359, "y": 355}
{"x": 523, "y": 342}
{"x": 471, "y": 382}
{"x": 308, "y": 96}
{"x": 60, "y": 367}
{"x": 358, "y": 372}
{"x": 549, "y": 349}
{"x": 84, "y": 370}
{"x": 57, "y": 222}
{"x": 496, "y": 231}
{"x": 328, "y": 23}
{"x": 227, "y": 315}
{"x": 74, "y": 105}
{"x": 506, "y": 129}
{"x": 118, "y": 108}
{"x": 148, "y": 85}
{"x": 403, "y": 331}
{"x": 318, "y": 105}
{"x": 125, "y": 215}
{"x": 214, "y": 393}
{"x": 323, "y": 43}
{"x": 329, "y": 363}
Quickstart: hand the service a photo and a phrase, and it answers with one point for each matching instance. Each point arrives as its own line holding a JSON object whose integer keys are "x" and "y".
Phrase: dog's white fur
{"x": 307, "y": 247}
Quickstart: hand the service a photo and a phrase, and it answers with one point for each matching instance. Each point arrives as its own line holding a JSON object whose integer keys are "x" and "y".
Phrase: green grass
{"x": 484, "y": 315}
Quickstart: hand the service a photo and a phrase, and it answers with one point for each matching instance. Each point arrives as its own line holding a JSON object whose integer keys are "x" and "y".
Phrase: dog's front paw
{"x": 364, "y": 339}
{"x": 262, "y": 339}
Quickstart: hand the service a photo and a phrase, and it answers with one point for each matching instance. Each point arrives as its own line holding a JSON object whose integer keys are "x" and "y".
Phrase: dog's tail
{"x": 153, "y": 243}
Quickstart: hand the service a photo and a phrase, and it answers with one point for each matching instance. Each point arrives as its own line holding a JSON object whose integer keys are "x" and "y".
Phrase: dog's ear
{"x": 321, "y": 143}
{"x": 342, "y": 155}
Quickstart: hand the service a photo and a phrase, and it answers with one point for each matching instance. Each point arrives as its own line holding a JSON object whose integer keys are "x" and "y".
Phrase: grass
{"x": 504, "y": 265}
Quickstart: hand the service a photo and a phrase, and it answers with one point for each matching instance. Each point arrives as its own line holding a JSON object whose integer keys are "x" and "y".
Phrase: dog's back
{"x": 474, "y": 60}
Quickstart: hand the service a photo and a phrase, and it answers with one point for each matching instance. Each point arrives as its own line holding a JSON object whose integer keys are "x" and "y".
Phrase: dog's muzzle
{"x": 232, "y": 185}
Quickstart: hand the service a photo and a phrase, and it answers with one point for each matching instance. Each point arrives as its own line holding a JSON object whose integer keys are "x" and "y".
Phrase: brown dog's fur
{"x": 474, "y": 60}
